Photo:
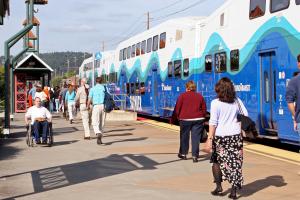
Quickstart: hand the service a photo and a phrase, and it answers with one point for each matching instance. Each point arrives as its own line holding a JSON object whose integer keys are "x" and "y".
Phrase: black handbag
{"x": 247, "y": 124}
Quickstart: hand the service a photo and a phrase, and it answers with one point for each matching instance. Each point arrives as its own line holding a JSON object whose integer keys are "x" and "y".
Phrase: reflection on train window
{"x": 186, "y": 64}
{"x": 297, "y": 2}
{"x": 133, "y": 51}
{"x": 208, "y": 63}
{"x": 121, "y": 55}
{"x": 149, "y": 45}
{"x": 257, "y": 8}
{"x": 177, "y": 68}
{"x": 127, "y": 88}
{"x": 162, "y": 40}
{"x": 155, "y": 43}
{"x": 277, "y": 5}
{"x": 132, "y": 88}
{"x": 170, "y": 69}
{"x": 220, "y": 62}
{"x": 142, "y": 88}
{"x": 124, "y": 54}
{"x": 138, "y": 49}
{"x": 267, "y": 89}
{"x": 128, "y": 52}
{"x": 143, "y": 47}
{"x": 234, "y": 60}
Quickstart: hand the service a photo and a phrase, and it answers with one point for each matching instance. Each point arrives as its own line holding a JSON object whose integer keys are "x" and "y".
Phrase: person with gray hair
{"x": 82, "y": 99}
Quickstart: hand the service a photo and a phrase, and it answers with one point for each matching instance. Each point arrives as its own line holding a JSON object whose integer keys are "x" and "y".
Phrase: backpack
{"x": 109, "y": 103}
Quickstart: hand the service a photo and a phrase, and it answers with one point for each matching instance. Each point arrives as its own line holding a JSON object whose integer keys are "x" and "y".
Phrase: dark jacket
{"x": 293, "y": 95}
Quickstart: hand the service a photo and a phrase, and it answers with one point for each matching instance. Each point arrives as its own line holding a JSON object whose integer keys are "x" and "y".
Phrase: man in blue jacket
{"x": 293, "y": 98}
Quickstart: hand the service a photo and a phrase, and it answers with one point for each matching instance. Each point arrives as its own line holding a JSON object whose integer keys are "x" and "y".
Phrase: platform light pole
{"x": 8, "y": 65}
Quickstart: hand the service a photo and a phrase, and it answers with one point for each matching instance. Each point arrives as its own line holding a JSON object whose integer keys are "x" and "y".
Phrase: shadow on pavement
{"x": 115, "y": 135}
{"x": 76, "y": 173}
{"x": 58, "y": 131}
{"x": 258, "y": 185}
{"x": 126, "y": 140}
{"x": 118, "y": 130}
{"x": 8, "y": 152}
{"x": 64, "y": 142}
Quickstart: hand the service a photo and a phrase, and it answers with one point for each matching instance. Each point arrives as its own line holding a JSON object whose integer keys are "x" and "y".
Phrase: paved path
{"x": 138, "y": 161}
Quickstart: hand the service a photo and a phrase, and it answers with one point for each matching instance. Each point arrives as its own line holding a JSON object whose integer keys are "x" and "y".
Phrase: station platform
{"x": 138, "y": 160}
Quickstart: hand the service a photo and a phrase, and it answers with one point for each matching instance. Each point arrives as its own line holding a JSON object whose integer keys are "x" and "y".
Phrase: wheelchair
{"x": 30, "y": 135}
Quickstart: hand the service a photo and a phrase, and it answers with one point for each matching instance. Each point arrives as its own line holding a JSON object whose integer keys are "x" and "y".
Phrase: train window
{"x": 138, "y": 49}
{"x": 143, "y": 47}
{"x": 267, "y": 85}
{"x": 155, "y": 43}
{"x": 208, "y": 63}
{"x": 177, "y": 68}
{"x": 186, "y": 66}
{"x": 162, "y": 40}
{"x": 149, "y": 45}
{"x": 222, "y": 16}
{"x": 170, "y": 69}
{"x": 277, "y": 5}
{"x": 142, "y": 88}
{"x": 133, "y": 51}
{"x": 297, "y": 2}
{"x": 127, "y": 88}
{"x": 234, "y": 60}
{"x": 220, "y": 62}
{"x": 257, "y": 8}
{"x": 120, "y": 55}
{"x": 128, "y": 52}
{"x": 124, "y": 54}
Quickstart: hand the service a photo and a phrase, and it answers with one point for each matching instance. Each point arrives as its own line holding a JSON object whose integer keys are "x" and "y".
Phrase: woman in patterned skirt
{"x": 224, "y": 138}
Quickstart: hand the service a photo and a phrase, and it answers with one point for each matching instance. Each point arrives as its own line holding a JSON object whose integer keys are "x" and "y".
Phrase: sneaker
{"x": 99, "y": 138}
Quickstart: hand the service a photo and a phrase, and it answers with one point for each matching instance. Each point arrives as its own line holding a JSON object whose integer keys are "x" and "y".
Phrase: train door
{"x": 268, "y": 94}
{"x": 154, "y": 93}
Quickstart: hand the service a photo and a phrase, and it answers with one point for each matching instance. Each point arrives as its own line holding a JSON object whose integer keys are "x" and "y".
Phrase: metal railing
{"x": 124, "y": 102}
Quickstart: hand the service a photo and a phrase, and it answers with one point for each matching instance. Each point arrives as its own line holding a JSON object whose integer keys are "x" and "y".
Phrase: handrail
{"x": 118, "y": 98}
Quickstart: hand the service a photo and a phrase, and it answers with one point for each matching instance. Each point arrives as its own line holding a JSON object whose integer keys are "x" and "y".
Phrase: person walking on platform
{"x": 225, "y": 139}
{"x": 70, "y": 101}
{"x": 190, "y": 110}
{"x": 82, "y": 99}
{"x": 96, "y": 98}
{"x": 293, "y": 98}
{"x": 56, "y": 98}
{"x": 62, "y": 95}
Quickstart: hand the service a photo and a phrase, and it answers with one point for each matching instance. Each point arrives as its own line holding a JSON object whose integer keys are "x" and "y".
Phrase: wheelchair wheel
{"x": 29, "y": 138}
{"x": 50, "y": 137}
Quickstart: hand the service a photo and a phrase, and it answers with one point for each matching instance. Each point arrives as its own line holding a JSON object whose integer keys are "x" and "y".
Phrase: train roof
{"x": 172, "y": 24}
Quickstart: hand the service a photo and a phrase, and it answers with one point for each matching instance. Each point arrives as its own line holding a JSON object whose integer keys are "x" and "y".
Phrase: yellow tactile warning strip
{"x": 270, "y": 152}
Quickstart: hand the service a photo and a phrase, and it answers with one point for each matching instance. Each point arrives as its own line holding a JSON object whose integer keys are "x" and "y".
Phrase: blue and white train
{"x": 255, "y": 43}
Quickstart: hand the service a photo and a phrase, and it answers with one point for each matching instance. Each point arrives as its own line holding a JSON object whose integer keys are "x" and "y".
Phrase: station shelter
{"x": 32, "y": 69}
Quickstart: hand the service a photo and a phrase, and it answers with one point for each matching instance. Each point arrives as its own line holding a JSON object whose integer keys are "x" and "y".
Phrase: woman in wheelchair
{"x": 40, "y": 119}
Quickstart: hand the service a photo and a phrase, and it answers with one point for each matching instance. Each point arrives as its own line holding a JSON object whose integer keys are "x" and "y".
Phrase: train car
{"x": 254, "y": 43}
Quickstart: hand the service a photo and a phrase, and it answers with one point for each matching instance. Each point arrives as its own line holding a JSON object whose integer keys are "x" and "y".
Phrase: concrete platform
{"x": 137, "y": 161}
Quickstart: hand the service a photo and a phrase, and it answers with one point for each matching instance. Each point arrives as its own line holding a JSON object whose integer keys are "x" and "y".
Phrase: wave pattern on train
{"x": 255, "y": 43}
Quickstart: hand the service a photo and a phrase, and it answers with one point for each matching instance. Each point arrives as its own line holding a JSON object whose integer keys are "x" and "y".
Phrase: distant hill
{"x": 59, "y": 60}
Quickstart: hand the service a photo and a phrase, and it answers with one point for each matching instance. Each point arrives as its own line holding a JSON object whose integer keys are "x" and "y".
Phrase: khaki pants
{"x": 98, "y": 118}
{"x": 71, "y": 109}
{"x": 85, "y": 120}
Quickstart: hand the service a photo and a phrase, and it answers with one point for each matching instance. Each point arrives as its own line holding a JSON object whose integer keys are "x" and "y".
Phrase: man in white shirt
{"x": 39, "y": 119}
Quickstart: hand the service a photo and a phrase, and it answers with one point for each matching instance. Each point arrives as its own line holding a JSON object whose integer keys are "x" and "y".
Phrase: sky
{"x": 83, "y": 25}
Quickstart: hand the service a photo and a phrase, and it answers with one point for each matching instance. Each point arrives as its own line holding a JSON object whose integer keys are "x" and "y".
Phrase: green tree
{"x": 56, "y": 81}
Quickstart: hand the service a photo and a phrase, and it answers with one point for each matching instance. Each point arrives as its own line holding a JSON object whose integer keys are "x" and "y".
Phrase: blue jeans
{"x": 196, "y": 130}
{"x": 40, "y": 126}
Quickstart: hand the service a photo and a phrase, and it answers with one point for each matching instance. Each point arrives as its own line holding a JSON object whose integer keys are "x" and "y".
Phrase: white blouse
{"x": 224, "y": 117}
